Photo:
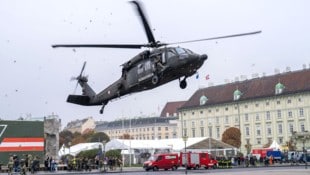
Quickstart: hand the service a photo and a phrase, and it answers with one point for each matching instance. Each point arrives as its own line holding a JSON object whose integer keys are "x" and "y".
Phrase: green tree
{"x": 98, "y": 137}
{"x": 114, "y": 153}
{"x": 232, "y": 136}
{"x": 65, "y": 137}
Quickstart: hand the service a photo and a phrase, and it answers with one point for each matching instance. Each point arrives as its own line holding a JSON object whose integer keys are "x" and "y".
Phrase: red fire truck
{"x": 162, "y": 161}
{"x": 196, "y": 160}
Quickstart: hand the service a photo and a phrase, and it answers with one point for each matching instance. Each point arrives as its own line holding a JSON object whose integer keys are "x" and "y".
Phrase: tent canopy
{"x": 275, "y": 145}
{"x": 76, "y": 149}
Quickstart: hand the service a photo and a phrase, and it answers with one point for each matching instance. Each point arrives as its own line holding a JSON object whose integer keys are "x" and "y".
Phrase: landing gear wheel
{"x": 101, "y": 110}
{"x": 183, "y": 84}
{"x": 154, "y": 79}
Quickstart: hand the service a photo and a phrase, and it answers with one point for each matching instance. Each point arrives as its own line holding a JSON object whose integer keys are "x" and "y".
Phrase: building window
{"x": 259, "y": 141}
{"x": 226, "y": 109}
{"x": 218, "y": 132}
{"x": 289, "y": 101}
{"x": 152, "y": 128}
{"x": 236, "y": 119}
{"x": 246, "y": 117}
{"x": 217, "y": 120}
{"x": 280, "y": 140}
{"x": 201, "y": 122}
{"x": 159, "y": 137}
{"x": 302, "y": 127}
{"x": 201, "y": 112}
{"x": 267, "y": 103}
{"x": 291, "y": 127}
{"x": 193, "y": 124}
{"x": 166, "y": 128}
{"x": 185, "y": 132}
{"x": 258, "y": 132}
{"x": 247, "y": 131}
{"x": 210, "y": 132}
{"x": 301, "y": 112}
{"x": 202, "y": 132}
{"x": 210, "y": 110}
{"x": 159, "y": 128}
{"x": 280, "y": 131}
{"x": 217, "y": 110}
{"x": 256, "y": 105}
{"x": 269, "y": 130}
{"x": 193, "y": 132}
{"x": 245, "y": 106}
{"x": 184, "y": 123}
{"x": 268, "y": 115}
{"x": 279, "y": 114}
{"x": 290, "y": 114}
{"x": 299, "y": 99}
{"x": 184, "y": 114}
{"x": 278, "y": 102}
{"x": 193, "y": 113}
{"x": 257, "y": 117}
{"x": 226, "y": 120}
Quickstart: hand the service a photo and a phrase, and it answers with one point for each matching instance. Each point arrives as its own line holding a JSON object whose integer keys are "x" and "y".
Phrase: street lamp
{"x": 185, "y": 138}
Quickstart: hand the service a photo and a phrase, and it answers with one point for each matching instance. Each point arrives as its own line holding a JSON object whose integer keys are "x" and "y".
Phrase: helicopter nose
{"x": 203, "y": 57}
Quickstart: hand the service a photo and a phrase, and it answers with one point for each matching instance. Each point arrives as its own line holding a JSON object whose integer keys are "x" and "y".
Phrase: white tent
{"x": 76, "y": 149}
{"x": 275, "y": 146}
{"x": 173, "y": 144}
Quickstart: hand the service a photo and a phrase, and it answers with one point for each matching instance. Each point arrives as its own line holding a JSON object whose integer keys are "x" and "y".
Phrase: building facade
{"x": 149, "y": 128}
{"x": 264, "y": 109}
{"x": 81, "y": 126}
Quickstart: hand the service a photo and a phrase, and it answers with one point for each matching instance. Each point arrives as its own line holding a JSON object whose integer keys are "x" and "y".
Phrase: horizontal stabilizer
{"x": 78, "y": 99}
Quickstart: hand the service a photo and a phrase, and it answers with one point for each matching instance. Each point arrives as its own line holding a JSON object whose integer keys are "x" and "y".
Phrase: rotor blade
{"x": 220, "y": 37}
{"x": 145, "y": 23}
{"x": 125, "y": 46}
{"x": 83, "y": 68}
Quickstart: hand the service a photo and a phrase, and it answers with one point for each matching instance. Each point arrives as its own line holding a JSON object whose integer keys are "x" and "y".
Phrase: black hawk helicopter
{"x": 149, "y": 69}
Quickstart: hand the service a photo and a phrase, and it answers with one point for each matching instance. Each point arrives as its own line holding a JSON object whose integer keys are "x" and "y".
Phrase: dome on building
{"x": 237, "y": 94}
{"x": 203, "y": 100}
{"x": 279, "y": 88}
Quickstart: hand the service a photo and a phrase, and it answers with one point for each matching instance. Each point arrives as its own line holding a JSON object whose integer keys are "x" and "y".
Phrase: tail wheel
{"x": 183, "y": 84}
{"x": 155, "y": 79}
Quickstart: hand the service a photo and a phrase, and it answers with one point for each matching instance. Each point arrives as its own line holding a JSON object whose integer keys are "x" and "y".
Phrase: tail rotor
{"x": 80, "y": 78}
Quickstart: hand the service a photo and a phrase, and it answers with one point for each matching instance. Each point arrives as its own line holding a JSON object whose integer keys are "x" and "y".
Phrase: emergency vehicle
{"x": 196, "y": 160}
{"x": 162, "y": 161}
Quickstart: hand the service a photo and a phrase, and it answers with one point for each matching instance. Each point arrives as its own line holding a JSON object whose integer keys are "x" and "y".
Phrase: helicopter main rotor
{"x": 152, "y": 43}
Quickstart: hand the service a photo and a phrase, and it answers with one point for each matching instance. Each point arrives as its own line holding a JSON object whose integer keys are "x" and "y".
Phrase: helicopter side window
{"x": 170, "y": 54}
{"x": 140, "y": 68}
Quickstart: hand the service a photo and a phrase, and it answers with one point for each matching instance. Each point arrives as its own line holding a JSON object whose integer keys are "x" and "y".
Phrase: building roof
{"x": 171, "y": 108}
{"x": 262, "y": 87}
{"x": 135, "y": 122}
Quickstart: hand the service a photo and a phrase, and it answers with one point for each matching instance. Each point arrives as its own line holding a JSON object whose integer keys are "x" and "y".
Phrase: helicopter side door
{"x": 144, "y": 71}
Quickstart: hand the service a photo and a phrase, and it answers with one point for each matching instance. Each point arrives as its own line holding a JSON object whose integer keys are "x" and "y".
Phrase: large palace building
{"x": 264, "y": 109}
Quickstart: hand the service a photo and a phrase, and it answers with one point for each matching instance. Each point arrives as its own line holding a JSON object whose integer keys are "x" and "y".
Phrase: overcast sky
{"x": 35, "y": 78}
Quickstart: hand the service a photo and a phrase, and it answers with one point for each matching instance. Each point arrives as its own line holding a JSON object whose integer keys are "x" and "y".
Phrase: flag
{"x": 207, "y": 77}
{"x": 22, "y": 144}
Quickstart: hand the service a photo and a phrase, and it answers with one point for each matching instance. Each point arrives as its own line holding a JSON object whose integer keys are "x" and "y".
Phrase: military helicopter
{"x": 149, "y": 69}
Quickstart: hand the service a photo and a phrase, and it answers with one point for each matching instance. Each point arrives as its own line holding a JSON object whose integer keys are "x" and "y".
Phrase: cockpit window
{"x": 170, "y": 54}
{"x": 180, "y": 51}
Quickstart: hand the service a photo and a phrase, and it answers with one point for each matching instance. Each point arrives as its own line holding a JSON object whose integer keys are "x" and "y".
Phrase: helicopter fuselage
{"x": 150, "y": 69}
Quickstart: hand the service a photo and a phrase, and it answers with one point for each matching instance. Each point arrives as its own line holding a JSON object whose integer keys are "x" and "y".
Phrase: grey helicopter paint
{"x": 149, "y": 69}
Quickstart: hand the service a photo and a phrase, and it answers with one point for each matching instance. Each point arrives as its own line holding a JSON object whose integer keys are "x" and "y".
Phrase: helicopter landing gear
{"x": 102, "y": 108}
{"x": 155, "y": 79}
{"x": 183, "y": 83}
